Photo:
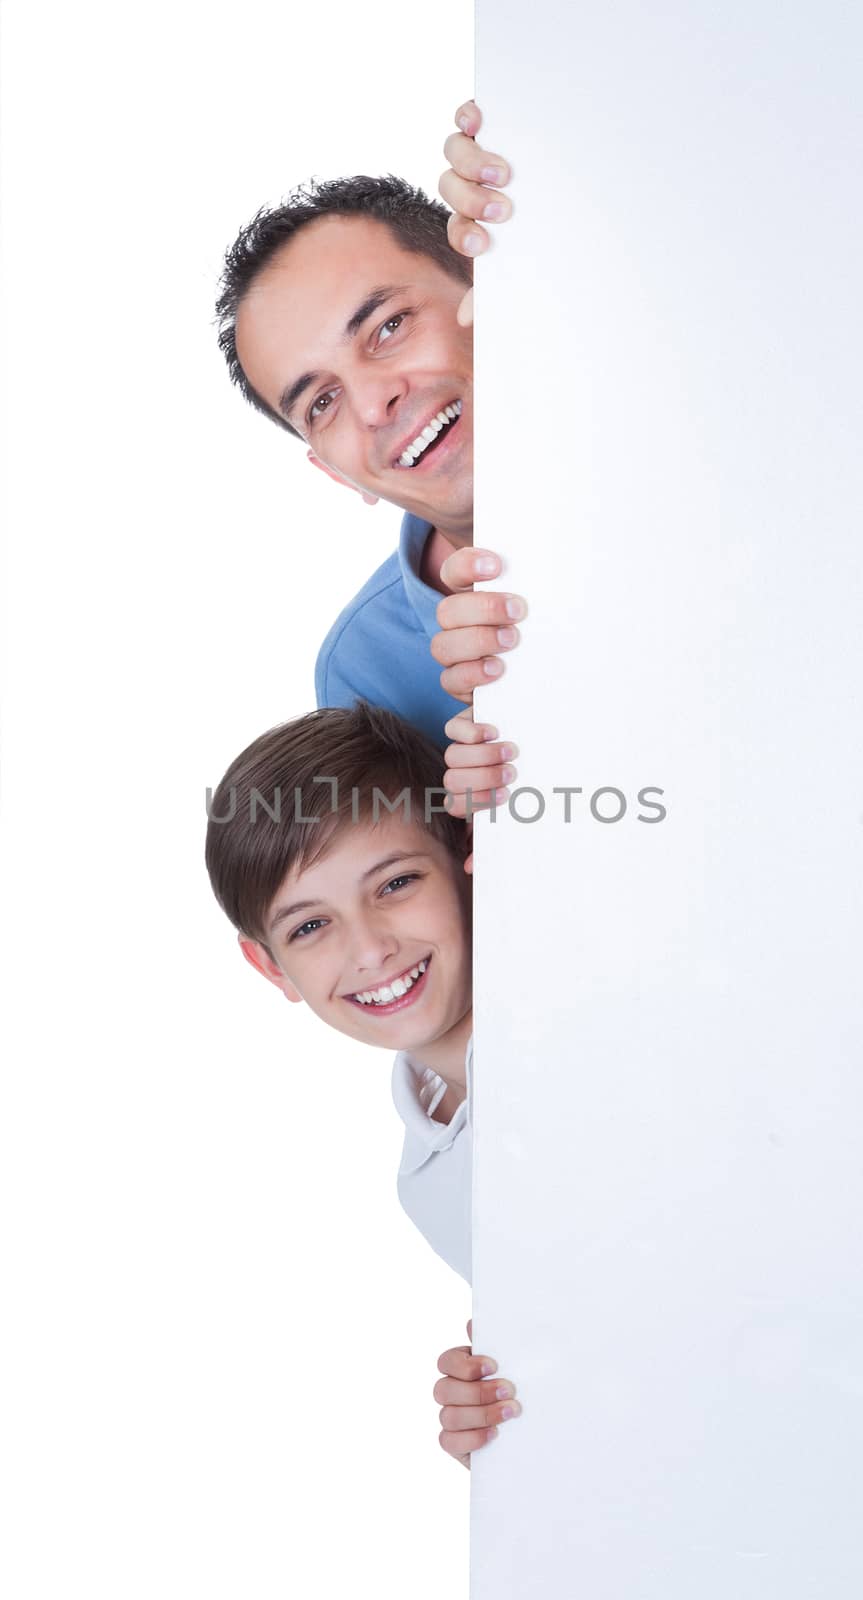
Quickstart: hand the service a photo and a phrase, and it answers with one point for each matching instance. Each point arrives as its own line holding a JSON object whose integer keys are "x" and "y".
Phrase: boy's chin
{"x": 394, "y": 1033}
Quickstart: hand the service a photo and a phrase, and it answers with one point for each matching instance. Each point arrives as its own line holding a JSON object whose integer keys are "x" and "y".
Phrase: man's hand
{"x": 474, "y": 623}
{"x": 464, "y": 186}
{"x": 474, "y": 762}
{"x": 469, "y": 1412}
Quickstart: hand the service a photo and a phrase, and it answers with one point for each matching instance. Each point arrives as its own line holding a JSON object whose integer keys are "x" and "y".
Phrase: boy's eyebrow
{"x": 307, "y": 905}
{"x": 373, "y": 301}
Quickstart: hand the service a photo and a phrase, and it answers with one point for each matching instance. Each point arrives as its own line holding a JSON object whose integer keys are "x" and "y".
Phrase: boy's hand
{"x": 474, "y": 623}
{"x": 477, "y": 763}
{"x": 464, "y": 187}
{"x": 470, "y": 1408}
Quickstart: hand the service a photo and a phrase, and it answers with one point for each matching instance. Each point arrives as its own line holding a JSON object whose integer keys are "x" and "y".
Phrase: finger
{"x": 470, "y": 644}
{"x": 470, "y": 565}
{"x": 463, "y": 720}
{"x": 457, "y": 805}
{"x": 472, "y": 787}
{"x": 454, "y": 1392}
{"x": 474, "y": 164}
{"x": 495, "y": 754}
{"x": 460, "y": 681}
{"x": 462, "y": 1445}
{"x": 469, "y": 238}
{"x": 480, "y": 607}
{"x": 460, "y": 1363}
{"x": 474, "y": 782}
{"x": 468, "y": 731}
{"x": 477, "y": 200}
{"x": 470, "y": 1328}
{"x": 469, "y": 117}
{"x": 466, "y": 1420}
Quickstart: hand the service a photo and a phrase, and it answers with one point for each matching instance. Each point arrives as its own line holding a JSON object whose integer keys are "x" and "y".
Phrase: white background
{"x": 668, "y": 1201}
{"x": 220, "y": 1330}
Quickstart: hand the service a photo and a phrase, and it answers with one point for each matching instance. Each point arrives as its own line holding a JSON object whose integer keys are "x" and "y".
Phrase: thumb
{"x": 464, "y": 313}
{"x": 467, "y": 564}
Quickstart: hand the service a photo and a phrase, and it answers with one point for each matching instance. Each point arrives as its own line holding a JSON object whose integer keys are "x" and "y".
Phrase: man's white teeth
{"x": 431, "y": 431}
{"x": 394, "y": 990}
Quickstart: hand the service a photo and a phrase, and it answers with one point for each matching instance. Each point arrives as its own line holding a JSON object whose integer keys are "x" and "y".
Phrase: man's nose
{"x": 377, "y": 396}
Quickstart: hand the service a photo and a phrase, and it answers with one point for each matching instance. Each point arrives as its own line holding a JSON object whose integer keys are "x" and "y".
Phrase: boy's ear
{"x": 263, "y": 962}
{"x": 370, "y": 499}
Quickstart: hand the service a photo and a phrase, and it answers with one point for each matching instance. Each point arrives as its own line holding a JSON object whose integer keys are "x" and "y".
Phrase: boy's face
{"x": 371, "y": 388}
{"x": 385, "y": 898}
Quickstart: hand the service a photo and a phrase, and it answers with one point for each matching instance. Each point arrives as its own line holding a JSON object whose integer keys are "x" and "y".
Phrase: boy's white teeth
{"x": 430, "y": 431}
{"x": 394, "y": 990}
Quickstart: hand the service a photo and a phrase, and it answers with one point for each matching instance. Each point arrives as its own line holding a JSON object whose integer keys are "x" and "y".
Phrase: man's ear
{"x": 370, "y": 499}
{"x": 263, "y": 962}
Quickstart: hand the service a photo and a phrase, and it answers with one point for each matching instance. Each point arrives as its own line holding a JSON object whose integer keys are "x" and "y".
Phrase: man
{"x": 345, "y": 316}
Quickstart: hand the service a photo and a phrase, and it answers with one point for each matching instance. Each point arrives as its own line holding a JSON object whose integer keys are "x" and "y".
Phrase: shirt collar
{"x": 417, "y": 1089}
{"x": 424, "y": 600}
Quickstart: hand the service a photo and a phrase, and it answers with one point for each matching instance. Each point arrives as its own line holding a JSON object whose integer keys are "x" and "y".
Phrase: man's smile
{"x": 425, "y": 439}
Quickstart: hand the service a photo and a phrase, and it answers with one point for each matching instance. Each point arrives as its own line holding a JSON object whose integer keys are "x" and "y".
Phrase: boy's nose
{"x": 371, "y": 950}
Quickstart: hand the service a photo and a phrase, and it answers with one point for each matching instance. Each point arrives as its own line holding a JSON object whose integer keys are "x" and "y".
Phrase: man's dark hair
{"x": 415, "y": 222}
{"x": 337, "y": 766}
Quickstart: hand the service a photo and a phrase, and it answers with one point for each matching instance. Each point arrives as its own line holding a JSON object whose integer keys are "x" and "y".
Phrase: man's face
{"x": 385, "y": 898}
{"x": 373, "y": 392}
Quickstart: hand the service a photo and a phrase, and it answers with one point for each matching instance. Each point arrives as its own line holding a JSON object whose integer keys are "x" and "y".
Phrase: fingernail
{"x": 508, "y": 752}
{"x": 493, "y": 211}
{"x": 491, "y": 175}
{"x": 472, "y": 244}
{"x": 507, "y": 774}
{"x": 486, "y": 565}
{"x": 464, "y": 123}
{"x": 503, "y": 1392}
{"x": 490, "y": 733}
{"x": 492, "y": 667}
{"x": 487, "y": 1368}
{"x": 515, "y": 608}
{"x": 507, "y": 1412}
{"x": 507, "y": 637}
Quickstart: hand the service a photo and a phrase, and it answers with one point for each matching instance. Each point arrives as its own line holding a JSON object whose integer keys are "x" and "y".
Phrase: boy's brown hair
{"x": 286, "y": 797}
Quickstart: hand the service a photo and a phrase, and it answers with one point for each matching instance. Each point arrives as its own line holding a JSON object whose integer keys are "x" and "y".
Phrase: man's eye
{"x": 313, "y": 414}
{"x": 405, "y": 877}
{"x": 398, "y": 318}
{"x": 300, "y": 933}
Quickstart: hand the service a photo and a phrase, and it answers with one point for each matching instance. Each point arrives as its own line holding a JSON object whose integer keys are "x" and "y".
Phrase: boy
{"x": 331, "y": 850}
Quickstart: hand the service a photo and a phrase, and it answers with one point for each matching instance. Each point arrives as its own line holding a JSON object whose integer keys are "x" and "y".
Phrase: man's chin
{"x": 451, "y": 515}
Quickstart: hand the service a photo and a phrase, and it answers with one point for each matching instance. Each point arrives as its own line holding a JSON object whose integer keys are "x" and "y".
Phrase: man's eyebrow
{"x": 307, "y": 905}
{"x": 373, "y": 301}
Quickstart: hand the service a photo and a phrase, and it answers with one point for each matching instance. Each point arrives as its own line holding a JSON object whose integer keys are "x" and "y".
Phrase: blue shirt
{"x": 378, "y": 647}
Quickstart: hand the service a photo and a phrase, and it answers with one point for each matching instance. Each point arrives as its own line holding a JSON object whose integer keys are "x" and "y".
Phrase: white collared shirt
{"x": 435, "y": 1176}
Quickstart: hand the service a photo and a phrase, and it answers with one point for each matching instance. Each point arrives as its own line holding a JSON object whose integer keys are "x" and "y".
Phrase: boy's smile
{"x": 395, "y": 993}
{"x": 375, "y": 936}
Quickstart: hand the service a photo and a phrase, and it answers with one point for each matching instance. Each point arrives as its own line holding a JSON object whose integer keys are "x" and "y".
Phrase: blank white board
{"x": 668, "y": 1183}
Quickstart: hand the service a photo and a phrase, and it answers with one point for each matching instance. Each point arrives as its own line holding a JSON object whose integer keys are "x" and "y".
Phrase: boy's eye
{"x": 404, "y": 877}
{"x": 300, "y": 933}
